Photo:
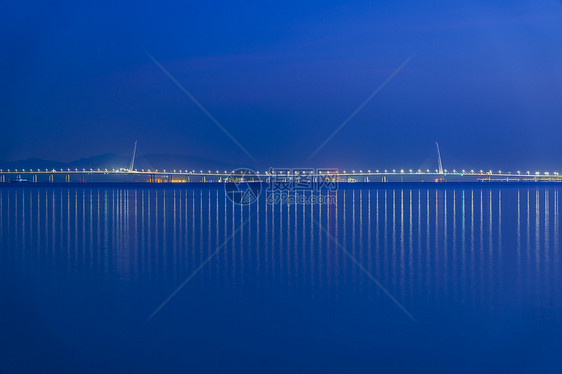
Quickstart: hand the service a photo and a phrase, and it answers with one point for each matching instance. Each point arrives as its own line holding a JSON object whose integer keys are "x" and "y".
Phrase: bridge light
{"x": 518, "y": 171}
{"x": 454, "y": 170}
{"x": 401, "y": 170}
{"x": 377, "y": 171}
{"x": 360, "y": 171}
{"x": 546, "y": 173}
{"x": 410, "y": 171}
{"x": 394, "y": 170}
{"x": 499, "y": 171}
{"x": 537, "y": 173}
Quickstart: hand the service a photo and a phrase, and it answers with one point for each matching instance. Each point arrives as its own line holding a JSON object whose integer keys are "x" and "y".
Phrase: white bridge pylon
{"x": 133, "y": 158}
{"x": 439, "y": 162}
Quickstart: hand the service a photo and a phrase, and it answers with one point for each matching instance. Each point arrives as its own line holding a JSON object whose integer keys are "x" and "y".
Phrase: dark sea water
{"x": 158, "y": 280}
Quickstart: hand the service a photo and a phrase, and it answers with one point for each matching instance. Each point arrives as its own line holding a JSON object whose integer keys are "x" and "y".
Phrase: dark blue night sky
{"x": 486, "y": 81}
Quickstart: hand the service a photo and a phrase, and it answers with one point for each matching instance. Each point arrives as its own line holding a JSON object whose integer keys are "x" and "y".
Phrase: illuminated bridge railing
{"x": 344, "y": 176}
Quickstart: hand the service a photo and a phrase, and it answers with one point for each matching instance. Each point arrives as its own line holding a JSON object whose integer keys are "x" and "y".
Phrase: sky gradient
{"x": 485, "y": 81}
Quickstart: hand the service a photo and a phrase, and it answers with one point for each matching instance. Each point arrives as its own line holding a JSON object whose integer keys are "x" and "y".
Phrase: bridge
{"x": 133, "y": 175}
{"x": 341, "y": 176}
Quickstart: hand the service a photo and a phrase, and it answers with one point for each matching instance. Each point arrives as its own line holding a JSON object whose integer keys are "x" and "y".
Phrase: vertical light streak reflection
{"x": 528, "y": 215}
{"x": 402, "y": 248}
{"x": 454, "y": 268}
{"x": 385, "y": 234}
{"x": 410, "y": 247}
{"x": 481, "y": 257}
{"x": 537, "y": 243}
{"x": 393, "y": 270}
{"x": 419, "y": 251}
{"x": 369, "y": 238}
{"x": 332, "y": 245}
{"x": 320, "y": 252}
{"x": 445, "y": 247}
{"x": 546, "y": 273}
{"x": 472, "y": 249}
{"x": 436, "y": 255}
{"x": 556, "y": 279}
{"x": 500, "y": 264}
{"x": 463, "y": 245}
{"x": 361, "y": 231}
{"x": 518, "y": 245}
{"x": 377, "y": 235}
{"x": 353, "y": 234}
{"x": 490, "y": 270}
{"x": 427, "y": 247}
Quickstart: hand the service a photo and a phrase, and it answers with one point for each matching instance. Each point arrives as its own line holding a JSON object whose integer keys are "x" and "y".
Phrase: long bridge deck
{"x": 187, "y": 176}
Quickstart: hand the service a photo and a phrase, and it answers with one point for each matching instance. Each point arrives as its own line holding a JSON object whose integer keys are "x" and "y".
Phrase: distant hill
{"x": 111, "y": 161}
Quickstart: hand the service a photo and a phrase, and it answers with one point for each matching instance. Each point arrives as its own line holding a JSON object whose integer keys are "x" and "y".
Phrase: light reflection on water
{"x": 82, "y": 268}
{"x": 439, "y": 245}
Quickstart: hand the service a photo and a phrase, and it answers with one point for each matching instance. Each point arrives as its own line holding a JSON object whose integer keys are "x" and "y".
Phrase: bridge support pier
{"x": 51, "y": 178}
{"x": 67, "y": 178}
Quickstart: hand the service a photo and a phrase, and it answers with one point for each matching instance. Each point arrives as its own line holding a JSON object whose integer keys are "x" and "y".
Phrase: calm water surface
{"x": 472, "y": 279}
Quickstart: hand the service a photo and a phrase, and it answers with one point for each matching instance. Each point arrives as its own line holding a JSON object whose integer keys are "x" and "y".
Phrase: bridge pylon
{"x": 133, "y": 158}
{"x": 439, "y": 162}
